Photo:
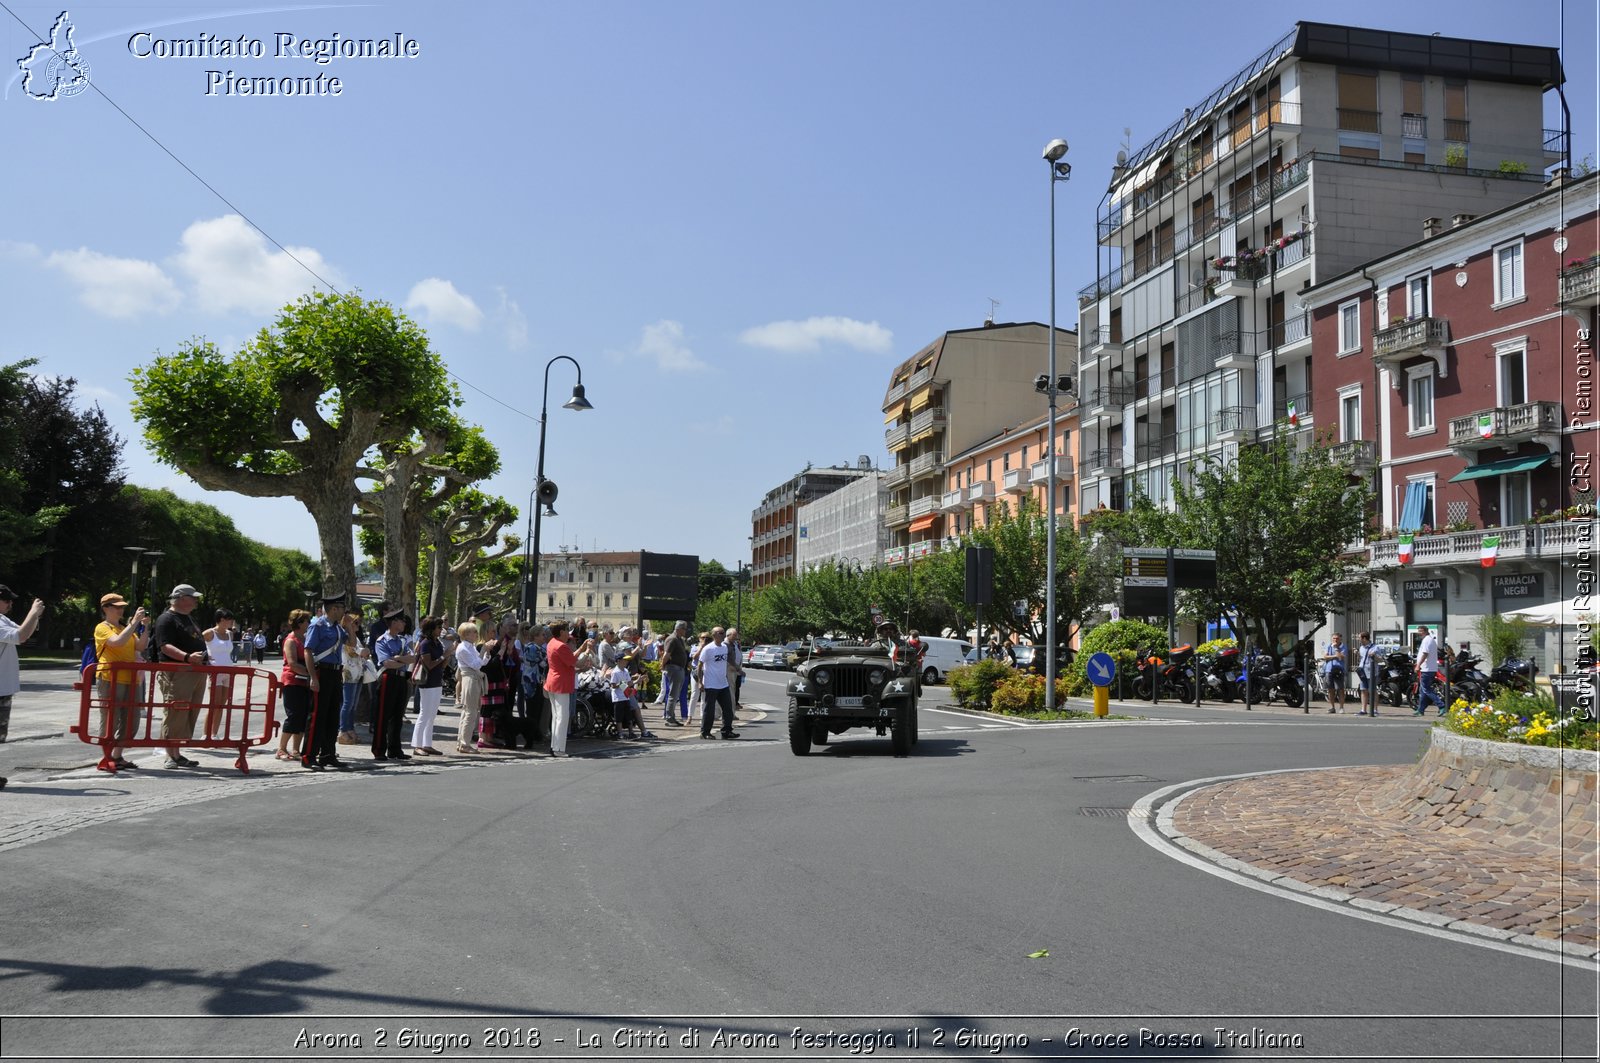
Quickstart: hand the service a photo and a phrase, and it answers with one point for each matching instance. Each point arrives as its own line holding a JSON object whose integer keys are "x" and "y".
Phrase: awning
{"x": 921, "y": 398}
{"x": 893, "y": 413}
{"x": 922, "y": 524}
{"x": 1501, "y": 468}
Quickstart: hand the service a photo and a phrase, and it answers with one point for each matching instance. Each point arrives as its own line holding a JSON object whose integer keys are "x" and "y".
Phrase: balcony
{"x": 1097, "y": 343}
{"x": 1155, "y": 449}
{"x": 926, "y": 464}
{"x": 1106, "y": 461}
{"x": 1457, "y": 130}
{"x": 1296, "y": 409}
{"x": 1236, "y": 350}
{"x": 1040, "y": 471}
{"x": 897, "y": 437}
{"x": 1109, "y": 399}
{"x": 982, "y": 491}
{"x": 894, "y": 555}
{"x": 1414, "y": 126}
{"x": 1354, "y": 121}
{"x": 1236, "y": 424}
{"x": 926, "y": 422}
{"x": 952, "y": 501}
{"x": 1580, "y": 286}
{"x": 1507, "y": 426}
{"x": 921, "y": 507}
{"x": 1288, "y": 333}
{"x": 897, "y": 391}
{"x": 1423, "y": 337}
{"x": 921, "y": 377}
{"x": 1247, "y": 200}
{"x": 1016, "y": 481}
{"x": 1556, "y": 143}
{"x": 1554, "y": 541}
{"x": 1360, "y": 454}
{"x": 1240, "y": 275}
{"x": 1295, "y": 249}
{"x": 897, "y": 516}
{"x": 897, "y": 476}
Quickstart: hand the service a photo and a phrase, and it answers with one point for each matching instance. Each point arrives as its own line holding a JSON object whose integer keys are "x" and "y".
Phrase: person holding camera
{"x": 117, "y": 643}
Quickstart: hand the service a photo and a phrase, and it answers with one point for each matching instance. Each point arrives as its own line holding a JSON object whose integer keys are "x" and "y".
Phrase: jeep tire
{"x": 900, "y": 734}
{"x": 799, "y": 730}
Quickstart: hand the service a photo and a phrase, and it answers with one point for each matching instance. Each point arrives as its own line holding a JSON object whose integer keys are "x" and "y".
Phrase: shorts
{"x": 178, "y": 724}
{"x": 125, "y": 725}
{"x": 296, "y": 709}
{"x": 183, "y": 689}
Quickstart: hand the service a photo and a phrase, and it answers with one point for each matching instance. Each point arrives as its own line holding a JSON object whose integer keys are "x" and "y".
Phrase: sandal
{"x": 282, "y": 755}
{"x": 123, "y": 762}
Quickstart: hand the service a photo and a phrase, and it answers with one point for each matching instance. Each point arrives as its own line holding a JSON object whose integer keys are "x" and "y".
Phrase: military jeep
{"x": 851, "y": 684}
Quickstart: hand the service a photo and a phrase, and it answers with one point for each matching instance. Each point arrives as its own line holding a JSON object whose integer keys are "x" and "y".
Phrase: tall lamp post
{"x": 1052, "y": 385}
{"x": 544, "y": 491}
{"x": 740, "y": 578}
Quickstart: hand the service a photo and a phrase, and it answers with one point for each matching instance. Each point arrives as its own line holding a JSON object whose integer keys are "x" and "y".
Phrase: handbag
{"x": 418, "y": 673}
{"x": 369, "y": 671}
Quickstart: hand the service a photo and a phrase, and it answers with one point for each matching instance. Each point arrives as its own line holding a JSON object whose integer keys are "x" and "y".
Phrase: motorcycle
{"x": 1250, "y": 681}
{"x": 1219, "y": 674}
{"x": 1395, "y": 678}
{"x": 1467, "y": 680}
{"x": 1288, "y": 685}
{"x": 1513, "y": 673}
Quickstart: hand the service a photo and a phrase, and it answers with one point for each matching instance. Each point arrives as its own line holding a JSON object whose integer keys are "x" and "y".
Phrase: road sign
{"x": 1101, "y": 669}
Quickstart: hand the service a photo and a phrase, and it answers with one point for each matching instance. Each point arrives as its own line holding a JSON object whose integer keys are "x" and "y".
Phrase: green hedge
{"x": 1119, "y": 638}
{"x": 973, "y": 684}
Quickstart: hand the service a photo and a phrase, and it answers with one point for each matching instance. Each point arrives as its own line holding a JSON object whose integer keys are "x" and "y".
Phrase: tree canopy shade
{"x": 295, "y": 412}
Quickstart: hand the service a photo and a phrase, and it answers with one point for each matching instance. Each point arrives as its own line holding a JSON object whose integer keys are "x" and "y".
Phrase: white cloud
{"x": 116, "y": 287}
{"x": 513, "y": 321}
{"x": 233, "y": 267}
{"x": 18, "y": 251}
{"x": 442, "y": 303}
{"x": 663, "y": 342}
{"x": 796, "y": 337}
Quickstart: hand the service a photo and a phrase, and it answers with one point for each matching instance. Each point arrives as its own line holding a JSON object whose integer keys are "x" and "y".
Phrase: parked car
{"x": 764, "y": 657}
{"x": 941, "y": 656}
{"x": 974, "y": 655}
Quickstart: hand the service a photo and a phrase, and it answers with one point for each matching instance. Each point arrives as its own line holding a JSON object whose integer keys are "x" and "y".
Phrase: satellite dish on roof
{"x": 1122, "y": 158}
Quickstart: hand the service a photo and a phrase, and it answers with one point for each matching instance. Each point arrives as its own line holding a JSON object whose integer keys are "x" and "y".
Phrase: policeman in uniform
{"x": 394, "y": 657}
{"x": 324, "y": 654}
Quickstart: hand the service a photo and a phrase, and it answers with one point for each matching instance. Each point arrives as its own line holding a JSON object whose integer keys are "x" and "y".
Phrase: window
{"x": 570, "y": 600}
{"x": 1349, "y": 416}
{"x": 1513, "y": 377}
{"x": 1508, "y": 272}
{"x": 608, "y": 575}
{"x": 1358, "y": 101}
{"x": 988, "y": 469}
{"x": 1418, "y": 296}
{"x": 1024, "y": 455}
{"x": 1419, "y": 393}
{"x": 550, "y": 600}
{"x": 624, "y": 601}
{"x": 1350, "y": 326}
{"x": 625, "y": 575}
{"x": 1416, "y": 510}
{"x": 1413, "y": 118}
{"x": 590, "y": 602}
{"x": 1516, "y": 493}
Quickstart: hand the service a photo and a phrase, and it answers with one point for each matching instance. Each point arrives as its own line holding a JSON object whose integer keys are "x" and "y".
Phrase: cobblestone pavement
{"x": 1332, "y": 831}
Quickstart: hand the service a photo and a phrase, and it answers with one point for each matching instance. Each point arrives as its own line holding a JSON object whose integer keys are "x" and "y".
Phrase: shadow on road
{"x": 880, "y": 747}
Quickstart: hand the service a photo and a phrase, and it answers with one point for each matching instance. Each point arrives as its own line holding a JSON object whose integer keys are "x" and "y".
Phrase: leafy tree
{"x": 297, "y": 410}
{"x": 461, "y": 535}
{"x": 715, "y": 580}
{"x": 414, "y": 475}
{"x": 1280, "y": 519}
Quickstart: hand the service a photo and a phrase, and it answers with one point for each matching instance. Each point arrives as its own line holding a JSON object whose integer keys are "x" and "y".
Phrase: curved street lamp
{"x": 1058, "y": 170}
{"x": 544, "y": 491}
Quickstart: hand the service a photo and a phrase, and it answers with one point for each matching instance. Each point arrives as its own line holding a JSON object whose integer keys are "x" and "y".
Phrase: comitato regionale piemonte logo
{"x": 54, "y": 69}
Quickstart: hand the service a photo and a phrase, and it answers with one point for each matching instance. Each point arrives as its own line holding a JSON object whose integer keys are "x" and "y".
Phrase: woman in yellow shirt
{"x": 118, "y": 643}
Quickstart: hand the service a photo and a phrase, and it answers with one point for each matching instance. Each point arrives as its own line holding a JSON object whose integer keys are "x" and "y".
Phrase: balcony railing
{"x": 1410, "y": 338}
{"x": 1111, "y": 395}
{"x": 1506, "y": 424}
{"x": 926, "y": 420}
{"x": 1297, "y": 407}
{"x": 1295, "y": 251}
{"x": 900, "y": 474}
{"x": 1357, "y": 121}
{"x": 1544, "y": 541}
{"x": 921, "y": 377}
{"x": 1457, "y": 130}
{"x": 1156, "y": 449}
{"x": 894, "y": 516}
{"x": 1039, "y": 472}
{"x": 1236, "y": 421}
{"x": 897, "y": 435}
{"x": 1414, "y": 125}
{"x": 1290, "y": 331}
{"x": 1555, "y": 141}
{"x": 1016, "y": 480}
{"x": 1580, "y": 285}
{"x": 925, "y": 464}
{"x": 1102, "y": 461}
{"x": 1247, "y": 199}
{"x": 894, "y": 555}
{"x": 921, "y": 507}
{"x": 951, "y": 501}
{"x": 1359, "y": 453}
{"x": 1235, "y": 350}
{"x": 981, "y": 491}
{"x": 897, "y": 390}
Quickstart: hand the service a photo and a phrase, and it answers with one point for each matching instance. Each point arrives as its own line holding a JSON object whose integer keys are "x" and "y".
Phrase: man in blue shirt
{"x": 394, "y": 660}
{"x": 324, "y": 655}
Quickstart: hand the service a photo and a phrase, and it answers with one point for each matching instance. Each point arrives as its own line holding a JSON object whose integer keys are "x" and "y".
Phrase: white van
{"x": 942, "y": 655}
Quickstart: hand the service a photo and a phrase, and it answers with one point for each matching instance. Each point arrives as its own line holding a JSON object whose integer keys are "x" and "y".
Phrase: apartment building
{"x": 1008, "y": 467}
{"x": 600, "y": 586}
{"x": 1325, "y": 151}
{"x": 952, "y": 394}
{"x": 843, "y": 527}
{"x": 1458, "y": 373}
{"x": 774, "y": 532}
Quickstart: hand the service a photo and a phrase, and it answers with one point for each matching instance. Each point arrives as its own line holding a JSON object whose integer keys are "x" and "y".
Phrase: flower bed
{"x": 1523, "y": 719}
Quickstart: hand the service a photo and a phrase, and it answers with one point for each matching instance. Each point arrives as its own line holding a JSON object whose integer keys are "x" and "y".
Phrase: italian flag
{"x": 1406, "y": 553}
{"x": 1491, "y": 549}
{"x": 1294, "y": 416}
{"x": 1486, "y": 425}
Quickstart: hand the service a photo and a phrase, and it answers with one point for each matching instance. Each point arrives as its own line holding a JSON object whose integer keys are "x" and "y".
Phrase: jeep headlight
{"x": 875, "y": 677}
{"x": 821, "y": 677}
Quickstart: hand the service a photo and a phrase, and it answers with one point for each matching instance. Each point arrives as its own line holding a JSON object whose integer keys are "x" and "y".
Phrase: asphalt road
{"x": 700, "y": 886}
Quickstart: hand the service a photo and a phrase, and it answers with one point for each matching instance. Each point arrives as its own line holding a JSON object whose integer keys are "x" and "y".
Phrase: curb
{"x": 1151, "y": 819}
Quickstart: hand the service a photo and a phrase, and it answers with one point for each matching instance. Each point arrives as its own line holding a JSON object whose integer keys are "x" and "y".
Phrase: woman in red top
{"x": 559, "y": 682}
{"x": 296, "y": 682}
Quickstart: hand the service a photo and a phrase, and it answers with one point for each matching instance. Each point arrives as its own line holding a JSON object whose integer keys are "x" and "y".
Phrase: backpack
{"x": 152, "y": 648}
{"x": 89, "y": 657}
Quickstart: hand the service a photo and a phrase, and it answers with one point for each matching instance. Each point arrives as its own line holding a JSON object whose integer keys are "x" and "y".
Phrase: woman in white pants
{"x": 430, "y": 654}
{"x": 469, "y": 687}
{"x": 560, "y": 682}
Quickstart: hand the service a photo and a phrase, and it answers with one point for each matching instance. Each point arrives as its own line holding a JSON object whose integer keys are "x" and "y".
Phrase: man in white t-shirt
{"x": 13, "y": 635}
{"x": 1428, "y": 675}
{"x": 711, "y": 671}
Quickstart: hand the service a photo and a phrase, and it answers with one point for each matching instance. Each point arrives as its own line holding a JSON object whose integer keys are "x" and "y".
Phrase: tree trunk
{"x": 331, "y": 509}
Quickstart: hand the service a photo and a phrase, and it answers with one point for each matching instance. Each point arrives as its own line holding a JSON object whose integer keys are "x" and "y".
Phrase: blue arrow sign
{"x": 1102, "y": 669}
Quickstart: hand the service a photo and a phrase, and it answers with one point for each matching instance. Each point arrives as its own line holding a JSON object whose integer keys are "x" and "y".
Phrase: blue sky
{"x": 736, "y": 216}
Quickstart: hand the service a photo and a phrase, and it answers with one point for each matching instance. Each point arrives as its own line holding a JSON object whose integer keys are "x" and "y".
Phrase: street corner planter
{"x": 1539, "y": 794}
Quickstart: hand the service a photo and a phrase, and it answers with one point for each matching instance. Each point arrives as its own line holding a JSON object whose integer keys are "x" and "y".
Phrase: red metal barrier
{"x": 236, "y": 713}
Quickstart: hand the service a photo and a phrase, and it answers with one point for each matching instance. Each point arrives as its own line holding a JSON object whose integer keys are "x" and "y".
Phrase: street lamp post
{"x": 740, "y": 577}
{"x": 545, "y": 491}
{"x": 133, "y": 585}
{"x": 1058, "y": 170}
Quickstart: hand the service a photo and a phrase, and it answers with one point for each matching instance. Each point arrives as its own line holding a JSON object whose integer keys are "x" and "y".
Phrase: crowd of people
{"x": 508, "y": 679}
